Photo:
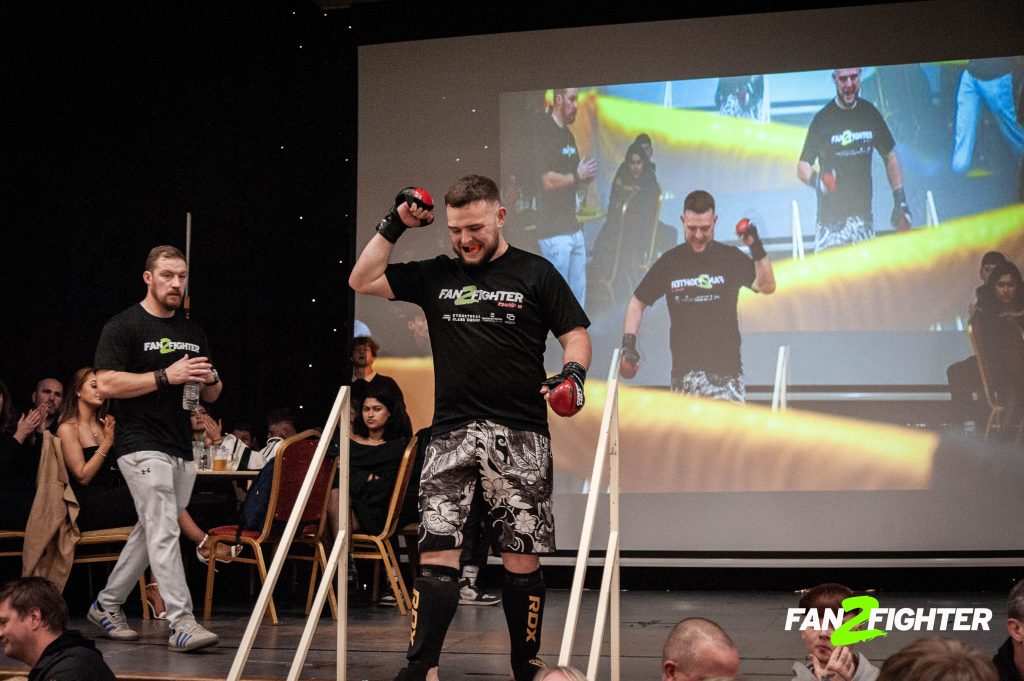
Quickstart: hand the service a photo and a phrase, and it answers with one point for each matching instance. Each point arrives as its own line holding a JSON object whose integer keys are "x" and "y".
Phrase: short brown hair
{"x": 699, "y": 201}
{"x": 472, "y": 188}
{"x": 937, "y": 659}
{"x": 1015, "y": 602}
{"x": 158, "y": 252}
{"x": 825, "y": 596}
{"x": 372, "y": 345}
{"x": 28, "y": 593}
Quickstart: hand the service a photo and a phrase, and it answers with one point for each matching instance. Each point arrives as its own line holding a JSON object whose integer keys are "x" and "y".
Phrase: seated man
{"x": 33, "y": 617}
{"x": 1009, "y": 660}
{"x": 364, "y": 354}
{"x": 19, "y": 453}
{"x": 698, "y": 649}
{"x": 828, "y": 662}
{"x": 937, "y": 659}
{"x": 206, "y": 432}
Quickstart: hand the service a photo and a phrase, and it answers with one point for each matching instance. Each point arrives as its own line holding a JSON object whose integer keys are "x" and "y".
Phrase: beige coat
{"x": 51, "y": 532}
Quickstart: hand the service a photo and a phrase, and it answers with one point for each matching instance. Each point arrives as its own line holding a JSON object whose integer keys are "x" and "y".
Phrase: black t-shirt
{"x": 556, "y": 151}
{"x": 488, "y": 330}
{"x": 137, "y": 342}
{"x": 701, "y": 291}
{"x": 842, "y": 140}
{"x": 360, "y": 386}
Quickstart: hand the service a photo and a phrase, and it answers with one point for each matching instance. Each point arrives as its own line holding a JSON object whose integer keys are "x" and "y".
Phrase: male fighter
{"x": 841, "y": 139}
{"x": 701, "y": 281}
{"x": 489, "y": 310}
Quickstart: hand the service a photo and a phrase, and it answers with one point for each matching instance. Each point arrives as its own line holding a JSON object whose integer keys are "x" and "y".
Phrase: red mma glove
{"x": 391, "y": 226}
{"x": 629, "y": 360}
{"x": 565, "y": 391}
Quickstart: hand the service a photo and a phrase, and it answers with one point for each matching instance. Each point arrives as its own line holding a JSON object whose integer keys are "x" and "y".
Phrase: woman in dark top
{"x": 86, "y": 434}
{"x": 380, "y": 432}
{"x": 999, "y": 322}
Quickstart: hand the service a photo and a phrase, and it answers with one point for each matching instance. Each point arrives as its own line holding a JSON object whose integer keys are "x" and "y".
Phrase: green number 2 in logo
{"x": 846, "y": 635}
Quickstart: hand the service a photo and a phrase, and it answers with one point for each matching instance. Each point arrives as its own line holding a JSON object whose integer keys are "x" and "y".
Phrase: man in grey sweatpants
{"x": 145, "y": 356}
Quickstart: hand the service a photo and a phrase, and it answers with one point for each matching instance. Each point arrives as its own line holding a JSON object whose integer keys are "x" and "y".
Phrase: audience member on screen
{"x": 963, "y": 376}
{"x": 628, "y": 234}
{"x": 698, "y": 649}
{"x": 998, "y": 325}
{"x": 836, "y": 163}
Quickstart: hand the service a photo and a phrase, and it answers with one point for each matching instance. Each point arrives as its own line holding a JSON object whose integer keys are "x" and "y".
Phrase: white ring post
{"x": 607, "y": 447}
{"x": 334, "y": 422}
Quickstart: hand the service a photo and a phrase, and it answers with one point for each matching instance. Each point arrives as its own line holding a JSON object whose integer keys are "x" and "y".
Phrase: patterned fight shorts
{"x": 852, "y": 230}
{"x": 712, "y": 386}
{"x": 513, "y": 470}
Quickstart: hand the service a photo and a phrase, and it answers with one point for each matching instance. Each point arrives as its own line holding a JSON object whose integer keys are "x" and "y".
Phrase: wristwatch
{"x": 216, "y": 377}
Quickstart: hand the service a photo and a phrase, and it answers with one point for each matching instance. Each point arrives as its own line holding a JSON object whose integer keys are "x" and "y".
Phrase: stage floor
{"x": 477, "y": 642}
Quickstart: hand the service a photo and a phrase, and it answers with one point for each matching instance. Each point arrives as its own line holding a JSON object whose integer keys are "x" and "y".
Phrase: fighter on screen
{"x": 701, "y": 280}
{"x": 489, "y": 311}
{"x": 836, "y": 163}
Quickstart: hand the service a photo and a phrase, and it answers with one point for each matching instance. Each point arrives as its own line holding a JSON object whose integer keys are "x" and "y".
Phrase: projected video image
{"x": 875, "y": 191}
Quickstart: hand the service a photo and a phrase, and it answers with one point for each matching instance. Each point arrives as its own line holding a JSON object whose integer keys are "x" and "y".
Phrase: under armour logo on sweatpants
{"x": 144, "y": 471}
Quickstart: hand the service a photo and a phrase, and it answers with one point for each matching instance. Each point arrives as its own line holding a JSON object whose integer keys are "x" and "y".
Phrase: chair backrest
{"x": 291, "y": 463}
{"x": 981, "y": 346}
{"x": 402, "y": 478}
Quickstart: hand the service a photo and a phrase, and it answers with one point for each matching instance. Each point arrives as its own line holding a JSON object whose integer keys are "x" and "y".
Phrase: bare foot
{"x": 223, "y": 552}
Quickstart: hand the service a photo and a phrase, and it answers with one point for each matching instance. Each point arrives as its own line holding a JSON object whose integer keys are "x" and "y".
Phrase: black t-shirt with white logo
{"x": 557, "y": 152}
{"x": 842, "y": 140}
{"x": 488, "y": 330}
{"x": 701, "y": 290}
{"x": 136, "y": 342}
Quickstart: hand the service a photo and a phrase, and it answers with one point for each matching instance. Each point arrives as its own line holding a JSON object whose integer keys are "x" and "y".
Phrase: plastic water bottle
{"x": 190, "y": 396}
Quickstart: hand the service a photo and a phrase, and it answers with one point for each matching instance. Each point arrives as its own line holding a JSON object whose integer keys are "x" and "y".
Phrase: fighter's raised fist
{"x": 747, "y": 232}
{"x": 417, "y": 196}
{"x": 629, "y": 360}
{"x": 413, "y": 208}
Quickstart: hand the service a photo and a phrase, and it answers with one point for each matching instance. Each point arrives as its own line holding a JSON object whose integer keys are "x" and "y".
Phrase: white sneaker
{"x": 471, "y": 594}
{"x": 113, "y": 622}
{"x": 189, "y": 635}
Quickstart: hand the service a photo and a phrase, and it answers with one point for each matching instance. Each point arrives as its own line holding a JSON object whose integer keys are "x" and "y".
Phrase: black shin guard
{"x": 435, "y": 597}
{"x": 522, "y": 596}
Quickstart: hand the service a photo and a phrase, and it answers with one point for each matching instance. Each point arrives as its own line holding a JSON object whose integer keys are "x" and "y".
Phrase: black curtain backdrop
{"x": 120, "y": 117}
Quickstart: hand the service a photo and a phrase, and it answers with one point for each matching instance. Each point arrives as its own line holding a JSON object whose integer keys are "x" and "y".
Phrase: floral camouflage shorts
{"x": 511, "y": 467}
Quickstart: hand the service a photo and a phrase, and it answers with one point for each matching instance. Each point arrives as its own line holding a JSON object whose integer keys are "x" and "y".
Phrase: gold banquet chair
{"x": 378, "y": 546}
